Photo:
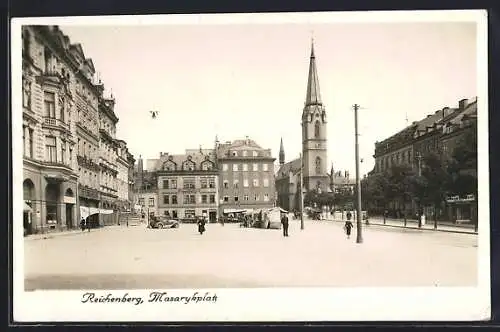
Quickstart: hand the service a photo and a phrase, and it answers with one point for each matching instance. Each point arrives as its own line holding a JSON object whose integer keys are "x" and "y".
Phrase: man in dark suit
{"x": 284, "y": 221}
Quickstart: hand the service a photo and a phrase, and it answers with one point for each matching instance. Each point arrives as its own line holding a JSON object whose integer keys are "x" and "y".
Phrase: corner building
{"x": 49, "y": 98}
{"x": 188, "y": 184}
{"x": 246, "y": 176}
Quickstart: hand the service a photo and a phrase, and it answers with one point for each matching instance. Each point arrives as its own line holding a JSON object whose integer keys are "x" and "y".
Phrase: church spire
{"x": 313, "y": 96}
{"x": 282, "y": 153}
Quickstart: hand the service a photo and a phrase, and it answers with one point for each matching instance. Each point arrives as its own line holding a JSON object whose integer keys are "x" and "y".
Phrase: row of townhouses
{"x": 233, "y": 176}
{"x": 74, "y": 166}
{"x": 439, "y": 133}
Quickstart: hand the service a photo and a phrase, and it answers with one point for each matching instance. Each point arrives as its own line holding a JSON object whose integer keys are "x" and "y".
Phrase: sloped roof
{"x": 291, "y": 166}
{"x": 178, "y": 159}
{"x": 313, "y": 95}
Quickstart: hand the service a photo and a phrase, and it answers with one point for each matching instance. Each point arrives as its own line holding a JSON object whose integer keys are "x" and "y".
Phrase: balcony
{"x": 87, "y": 192}
{"x": 55, "y": 124}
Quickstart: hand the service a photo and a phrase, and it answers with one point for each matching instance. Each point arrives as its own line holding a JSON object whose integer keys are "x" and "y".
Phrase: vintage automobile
{"x": 163, "y": 222}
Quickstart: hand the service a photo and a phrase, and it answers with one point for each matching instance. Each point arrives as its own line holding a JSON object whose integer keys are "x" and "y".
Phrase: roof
{"x": 291, "y": 166}
{"x": 313, "y": 96}
{"x": 178, "y": 160}
{"x": 241, "y": 145}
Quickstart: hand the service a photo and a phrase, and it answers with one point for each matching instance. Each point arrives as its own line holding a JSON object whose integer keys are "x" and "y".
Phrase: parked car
{"x": 162, "y": 222}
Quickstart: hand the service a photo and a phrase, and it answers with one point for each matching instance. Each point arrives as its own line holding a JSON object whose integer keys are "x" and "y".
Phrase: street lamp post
{"x": 359, "y": 235}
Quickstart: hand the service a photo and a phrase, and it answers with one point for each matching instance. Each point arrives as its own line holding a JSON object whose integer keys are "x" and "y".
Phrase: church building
{"x": 314, "y": 149}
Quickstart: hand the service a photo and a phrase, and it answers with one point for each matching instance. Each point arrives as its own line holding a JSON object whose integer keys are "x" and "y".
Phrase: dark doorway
{"x": 51, "y": 202}
{"x": 212, "y": 216}
{"x": 69, "y": 216}
{"x": 174, "y": 214}
{"x": 28, "y": 196}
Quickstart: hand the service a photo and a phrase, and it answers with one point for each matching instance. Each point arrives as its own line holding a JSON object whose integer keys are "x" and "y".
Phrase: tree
{"x": 437, "y": 181}
{"x": 401, "y": 185}
{"x": 376, "y": 190}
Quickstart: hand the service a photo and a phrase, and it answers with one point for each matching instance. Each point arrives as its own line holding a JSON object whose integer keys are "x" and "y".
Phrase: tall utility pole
{"x": 301, "y": 193}
{"x": 359, "y": 235}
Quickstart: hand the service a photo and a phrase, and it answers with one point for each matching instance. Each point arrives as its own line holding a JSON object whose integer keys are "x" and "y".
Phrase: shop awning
{"x": 27, "y": 207}
{"x": 88, "y": 211}
{"x": 234, "y": 210}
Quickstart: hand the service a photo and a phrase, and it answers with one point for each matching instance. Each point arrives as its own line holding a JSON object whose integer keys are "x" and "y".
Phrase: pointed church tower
{"x": 282, "y": 153}
{"x": 314, "y": 137}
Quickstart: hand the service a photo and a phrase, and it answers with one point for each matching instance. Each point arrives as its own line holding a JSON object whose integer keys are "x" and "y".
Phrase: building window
{"x": 50, "y": 149}
{"x": 245, "y": 197}
{"x": 265, "y": 167}
{"x": 204, "y": 183}
{"x": 266, "y": 182}
{"x": 235, "y": 167}
{"x": 189, "y": 199}
{"x": 318, "y": 165}
{"x": 245, "y": 167}
{"x": 212, "y": 199}
{"x": 165, "y": 184}
{"x": 245, "y": 153}
{"x": 317, "y": 129}
{"x": 189, "y": 184}
{"x": 173, "y": 184}
{"x": 256, "y": 197}
{"x": 245, "y": 183}
{"x": 235, "y": 198}
{"x": 255, "y": 167}
{"x": 50, "y": 104}
{"x": 204, "y": 199}
{"x": 235, "y": 184}
{"x": 226, "y": 184}
{"x": 141, "y": 201}
{"x": 63, "y": 151}
{"x": 30, "y": 142}
{"x": 225, "y": 167}
{"x": 255, "y": 182}
{"x": 174, "y": 199}
{"x": 24, "y": 141}
{"x": 211, "y": 183}
{"x": 166, "y": 199}
{"x": 226, "y": 198}
{"x": 266, "y": 197}
{"x": 70, "y": 156}
{"x": 189, "y": 213}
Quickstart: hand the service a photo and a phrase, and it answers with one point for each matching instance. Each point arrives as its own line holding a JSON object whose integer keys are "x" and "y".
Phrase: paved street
{"x": 228, "y": 256}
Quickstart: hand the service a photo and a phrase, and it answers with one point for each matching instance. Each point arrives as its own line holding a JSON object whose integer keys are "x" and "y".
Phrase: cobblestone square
{"x": 229, "y": 256}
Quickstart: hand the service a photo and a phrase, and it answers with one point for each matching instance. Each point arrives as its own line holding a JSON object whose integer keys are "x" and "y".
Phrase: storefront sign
{"x": 69, "y": 200}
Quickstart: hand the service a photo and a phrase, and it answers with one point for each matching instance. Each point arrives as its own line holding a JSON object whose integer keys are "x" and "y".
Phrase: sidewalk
{"x": 53, "y": 234}
{"x": 413, "y": 224}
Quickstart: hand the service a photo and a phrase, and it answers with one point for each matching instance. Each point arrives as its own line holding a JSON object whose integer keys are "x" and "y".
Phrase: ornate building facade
{"x": 188, "y": 185}
{"x": 60, "y": 131}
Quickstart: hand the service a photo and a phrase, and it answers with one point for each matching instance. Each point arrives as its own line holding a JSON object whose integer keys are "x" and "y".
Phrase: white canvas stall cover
{"x": 88, "y": 211}
{"x": 27, "y": 207}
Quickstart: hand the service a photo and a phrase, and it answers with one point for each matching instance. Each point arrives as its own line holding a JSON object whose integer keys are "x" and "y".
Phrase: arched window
{"x": 316, "y": 129}
{"x": 318, "y": 165}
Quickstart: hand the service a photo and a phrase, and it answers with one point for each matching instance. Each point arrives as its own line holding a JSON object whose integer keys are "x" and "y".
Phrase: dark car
{"x": 163, "y": 222}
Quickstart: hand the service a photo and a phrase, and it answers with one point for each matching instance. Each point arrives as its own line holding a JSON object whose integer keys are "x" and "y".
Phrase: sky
{"x": 250, "y": 80}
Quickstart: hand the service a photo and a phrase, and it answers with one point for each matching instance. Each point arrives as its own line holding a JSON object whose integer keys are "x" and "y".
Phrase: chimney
{"x": 462, "y": 104}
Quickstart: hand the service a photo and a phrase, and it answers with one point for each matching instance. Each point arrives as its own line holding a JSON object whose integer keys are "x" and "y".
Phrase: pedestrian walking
{"x": 284, "y": 221}
{"x": 82, "y": 224}
{"x": 348, "y": 226}
{"x": 88, "y": 224}
{"x": 201, "y": 225}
